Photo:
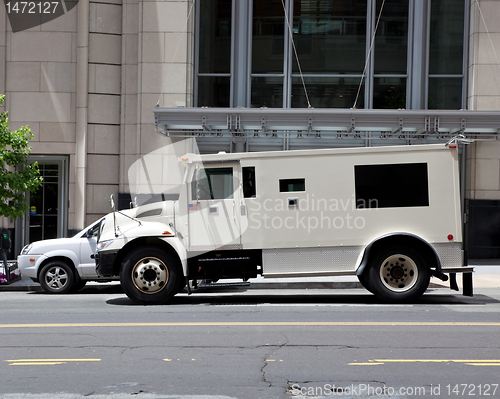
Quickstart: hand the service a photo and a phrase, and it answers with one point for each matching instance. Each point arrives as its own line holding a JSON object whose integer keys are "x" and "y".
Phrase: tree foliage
{"x": 16, "y": 176}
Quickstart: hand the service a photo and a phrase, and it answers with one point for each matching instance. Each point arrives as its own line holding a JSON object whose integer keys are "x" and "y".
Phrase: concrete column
{"x": 82, "y": 60}
{"x": 240, "y": 48}
{"x": 484, "y": 94}
{"x": 106, "y": 43}
{"x": 419, "y": 54}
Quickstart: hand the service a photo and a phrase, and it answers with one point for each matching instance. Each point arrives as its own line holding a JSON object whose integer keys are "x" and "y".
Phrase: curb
{"x": 29, "y": 286}
{"x": 19, "y": 287}
{"x": 254, "y": 286}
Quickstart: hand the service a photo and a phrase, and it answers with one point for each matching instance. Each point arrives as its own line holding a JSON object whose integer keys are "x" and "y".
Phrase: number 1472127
{"x": 31, "y": 7}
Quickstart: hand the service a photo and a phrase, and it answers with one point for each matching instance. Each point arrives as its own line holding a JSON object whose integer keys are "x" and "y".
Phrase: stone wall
{"x": 87, "y": 82}
{"x": 483, "y": 158}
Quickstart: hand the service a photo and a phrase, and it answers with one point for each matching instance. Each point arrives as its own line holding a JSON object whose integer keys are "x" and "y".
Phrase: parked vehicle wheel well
{"x": 64, "y": 259}
{"x": 414, "y": 242}
{"x": 141, "y": 242}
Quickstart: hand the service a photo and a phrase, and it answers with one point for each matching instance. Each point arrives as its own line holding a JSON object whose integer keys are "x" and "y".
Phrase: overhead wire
{"x": 295, "y": 52}
{"x": 369, "y": 54}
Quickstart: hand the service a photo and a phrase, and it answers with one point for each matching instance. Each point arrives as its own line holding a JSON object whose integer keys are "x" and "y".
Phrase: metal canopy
{"x": 321, "y": 122}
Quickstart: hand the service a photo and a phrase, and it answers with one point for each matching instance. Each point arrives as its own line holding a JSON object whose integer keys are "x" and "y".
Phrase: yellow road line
{"x": 483, "y": 364}
{"x": 54, "y": 360}
{"x": 256, "y": 323}
{"x": 364, "y": 364}
{"x": 435, "y": 361}
{"x": 36, "y": 363}
{"x": 476, "y": 362}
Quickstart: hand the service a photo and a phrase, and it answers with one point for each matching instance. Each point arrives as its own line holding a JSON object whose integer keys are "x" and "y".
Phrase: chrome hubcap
{"x": 56, "y": 278}
{"x": 399, "y": 273}
{"x": 150, "y": 275}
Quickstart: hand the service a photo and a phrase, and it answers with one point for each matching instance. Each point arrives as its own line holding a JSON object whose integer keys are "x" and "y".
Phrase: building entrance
{"x": 46, "y": 215}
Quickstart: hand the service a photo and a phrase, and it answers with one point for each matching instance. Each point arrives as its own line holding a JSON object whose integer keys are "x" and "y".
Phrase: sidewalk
{"x": 486, "y": 275}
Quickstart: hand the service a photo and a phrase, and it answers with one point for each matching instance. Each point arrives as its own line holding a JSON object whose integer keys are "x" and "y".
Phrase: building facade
{"x": 88, "y": 81}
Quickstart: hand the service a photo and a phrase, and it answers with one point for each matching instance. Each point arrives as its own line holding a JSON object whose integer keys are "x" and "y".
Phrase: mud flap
{"x": 453, "y": 282}
{"x": 467, "y": 284}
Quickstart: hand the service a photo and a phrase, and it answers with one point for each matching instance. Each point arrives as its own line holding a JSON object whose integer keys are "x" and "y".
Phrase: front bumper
{"x": 105, "y": 264}
{"x": 28, "y": 264}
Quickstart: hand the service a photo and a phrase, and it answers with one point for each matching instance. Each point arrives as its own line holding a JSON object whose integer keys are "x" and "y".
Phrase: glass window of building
{"x": 214, "y": 52}
{"x": 446, "y": 50}
{"x": 331, "y": 53}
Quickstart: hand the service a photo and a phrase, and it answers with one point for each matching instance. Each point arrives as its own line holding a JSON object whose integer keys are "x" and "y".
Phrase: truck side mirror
{"x": 90, "y": 233}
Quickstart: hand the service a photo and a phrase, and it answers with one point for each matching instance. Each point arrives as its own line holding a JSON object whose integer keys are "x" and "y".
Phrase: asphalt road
{"x": 249, "y": 344}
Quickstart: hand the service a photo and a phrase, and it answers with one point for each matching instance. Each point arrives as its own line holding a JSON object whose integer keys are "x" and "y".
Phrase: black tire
{"x": 398, "y": 274}
{"x": 79, "y": 285}
{"x": 365, "y": 281}
{"x": 57, "y": 277}
{"x": 182, "y": 283}
{"x": 150, "y": 276}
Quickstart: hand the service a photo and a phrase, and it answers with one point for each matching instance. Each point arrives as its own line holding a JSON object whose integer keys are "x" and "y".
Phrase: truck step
{"x": 223, "y": 285}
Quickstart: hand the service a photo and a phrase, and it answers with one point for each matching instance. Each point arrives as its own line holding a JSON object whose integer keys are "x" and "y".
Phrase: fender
{"x": 398, "y": 238}
{"x": 117, "y": 255}
{"x": 179, "y": 248}
{"x": 60, "y": 253}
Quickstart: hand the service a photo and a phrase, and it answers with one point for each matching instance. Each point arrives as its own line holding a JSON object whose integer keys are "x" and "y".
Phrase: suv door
{"x": 88, "y": 247}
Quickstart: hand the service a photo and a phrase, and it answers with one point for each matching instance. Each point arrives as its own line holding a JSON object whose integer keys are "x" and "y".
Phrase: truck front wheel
{"x": 150, "y": 276}
{"x": 398, "y": 274}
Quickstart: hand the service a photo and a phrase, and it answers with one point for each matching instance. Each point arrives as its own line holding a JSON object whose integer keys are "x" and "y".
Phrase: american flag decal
{"x": 193, "y": 207}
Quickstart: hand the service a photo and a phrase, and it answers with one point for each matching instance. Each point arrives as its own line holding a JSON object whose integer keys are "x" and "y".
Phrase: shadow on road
{"x": 88, "y": 290}
{"x": 229, "y": 299}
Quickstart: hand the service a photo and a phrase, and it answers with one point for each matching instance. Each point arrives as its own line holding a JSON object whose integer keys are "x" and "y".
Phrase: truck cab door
{"x": 213, "y": 207}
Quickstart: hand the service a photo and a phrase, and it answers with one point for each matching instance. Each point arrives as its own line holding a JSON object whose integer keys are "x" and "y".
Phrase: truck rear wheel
{"x": 398, "y": 274}
{"x": 364, "y": 281}
{"x": 150, "y": 276}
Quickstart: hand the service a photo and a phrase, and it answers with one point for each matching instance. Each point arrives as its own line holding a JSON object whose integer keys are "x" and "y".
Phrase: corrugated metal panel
{"x": 451, "y": 255}
{"x": 292, "y": 261}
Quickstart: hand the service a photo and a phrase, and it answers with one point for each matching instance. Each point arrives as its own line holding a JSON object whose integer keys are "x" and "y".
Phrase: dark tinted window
{"x": 249, "y": 182}
{"x": 289, "y": 185}
{"x": 391, "y": 186}
{"x": 213, "y": 183}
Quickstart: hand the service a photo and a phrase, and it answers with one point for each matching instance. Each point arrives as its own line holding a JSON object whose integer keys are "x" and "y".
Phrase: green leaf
{"x": 17, "y": 177}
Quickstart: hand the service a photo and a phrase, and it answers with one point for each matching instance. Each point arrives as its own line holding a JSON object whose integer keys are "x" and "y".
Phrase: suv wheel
{"x": 56, "y": 277}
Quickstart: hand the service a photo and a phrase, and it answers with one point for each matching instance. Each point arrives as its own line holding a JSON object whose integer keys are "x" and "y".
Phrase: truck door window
{"x": 290, "y": 185}
{"x": 249, "y": 182}
{"x": 391, "y": 185}
{"x": 213, "y": 183}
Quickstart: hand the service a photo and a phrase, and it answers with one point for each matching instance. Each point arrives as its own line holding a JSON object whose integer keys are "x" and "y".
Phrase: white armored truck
{"x": 389, "y": 215}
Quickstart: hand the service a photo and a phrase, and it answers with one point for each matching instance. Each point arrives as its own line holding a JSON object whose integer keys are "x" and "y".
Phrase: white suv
{"x": 62, "y": 265}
